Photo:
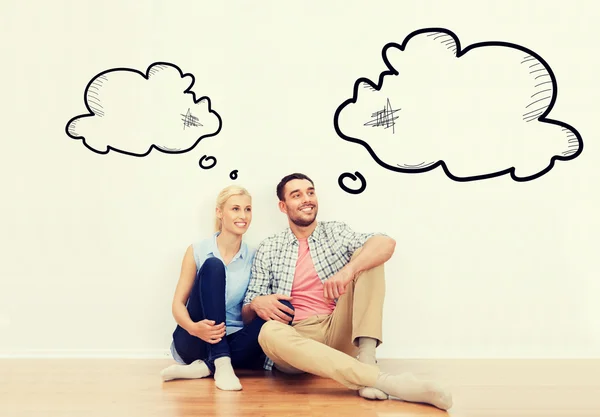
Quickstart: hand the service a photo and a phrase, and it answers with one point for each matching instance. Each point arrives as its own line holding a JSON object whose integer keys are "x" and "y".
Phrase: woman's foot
{"x": 225, "y": 378}
{"x": 194, "y": 370}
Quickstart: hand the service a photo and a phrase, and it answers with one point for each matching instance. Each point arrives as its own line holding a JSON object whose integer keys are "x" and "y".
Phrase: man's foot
{"x": 371, "y": 393}
{"x": 225, "y": 378}
{"x": 366, "y": 354}
{"x": 408, "y": 388}
{"x": 194, "y": 370}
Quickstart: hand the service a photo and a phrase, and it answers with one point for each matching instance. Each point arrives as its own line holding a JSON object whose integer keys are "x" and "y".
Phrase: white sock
{"x": 408, "y": 388}
{"x": 366, "y": 354}
{"x": 225, "y": 377}
{"x": 194, "y": 370}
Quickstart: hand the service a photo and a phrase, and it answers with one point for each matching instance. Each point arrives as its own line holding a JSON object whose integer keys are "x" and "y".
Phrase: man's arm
{"x": 375, "y": 250}
{"x": 247, "y": 314}
{"x": 259, "y": 283}
{"x": 258, "y": 300}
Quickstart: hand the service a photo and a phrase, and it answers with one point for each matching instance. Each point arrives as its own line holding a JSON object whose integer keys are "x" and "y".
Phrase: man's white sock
{"x": 408, "y": 388}
{"x": 366, "y": 354}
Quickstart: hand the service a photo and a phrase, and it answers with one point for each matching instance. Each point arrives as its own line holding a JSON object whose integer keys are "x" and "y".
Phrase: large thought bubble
{"x": 133, "y": 112}
{"x": 478, "y": 112}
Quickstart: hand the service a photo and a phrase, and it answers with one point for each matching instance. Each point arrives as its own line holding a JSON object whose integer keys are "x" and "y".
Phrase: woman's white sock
{"x": 225, "y": 377}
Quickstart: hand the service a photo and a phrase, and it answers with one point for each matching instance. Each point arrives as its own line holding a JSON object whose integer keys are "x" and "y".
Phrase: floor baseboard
{"x": 88, "y": 353}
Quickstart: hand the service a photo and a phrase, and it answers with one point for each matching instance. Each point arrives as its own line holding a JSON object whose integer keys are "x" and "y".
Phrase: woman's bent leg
{"x": 191, "y": 350}
{"x": 207, "y": 302}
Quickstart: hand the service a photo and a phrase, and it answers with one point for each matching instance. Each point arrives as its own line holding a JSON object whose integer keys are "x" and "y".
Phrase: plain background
{"x": 91, "y": 245}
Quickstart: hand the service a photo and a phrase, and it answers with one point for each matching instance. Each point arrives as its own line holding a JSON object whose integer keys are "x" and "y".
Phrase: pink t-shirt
{"x": 307, "y": 289}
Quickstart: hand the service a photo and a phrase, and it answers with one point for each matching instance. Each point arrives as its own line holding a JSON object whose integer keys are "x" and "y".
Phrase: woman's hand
{"x": 208, "y": 331}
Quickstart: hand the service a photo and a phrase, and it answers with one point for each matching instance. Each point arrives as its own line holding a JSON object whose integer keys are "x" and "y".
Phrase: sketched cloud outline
{"x": 146, "y": 76}
{"x": 391, "y": 71}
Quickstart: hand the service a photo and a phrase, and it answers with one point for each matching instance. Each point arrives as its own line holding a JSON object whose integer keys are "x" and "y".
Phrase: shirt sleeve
{"x": 260, "y": 275}
{"x": 351, "y": 240}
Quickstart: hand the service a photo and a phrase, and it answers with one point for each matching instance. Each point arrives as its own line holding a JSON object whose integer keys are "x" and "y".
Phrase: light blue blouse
{"x": 237, "y": 277}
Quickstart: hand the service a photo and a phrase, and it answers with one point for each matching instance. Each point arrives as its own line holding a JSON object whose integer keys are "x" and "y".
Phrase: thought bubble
{"x": 356, "y": 176}
{"x": 132, "y": 112}
{"x": 478, "y": 112}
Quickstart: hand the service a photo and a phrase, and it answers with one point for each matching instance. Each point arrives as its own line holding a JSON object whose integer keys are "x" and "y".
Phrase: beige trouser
{"x": 327, "y": 345}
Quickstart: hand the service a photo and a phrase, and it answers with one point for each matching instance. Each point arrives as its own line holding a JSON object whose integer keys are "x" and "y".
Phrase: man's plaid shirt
{"x": 331, "y": 246}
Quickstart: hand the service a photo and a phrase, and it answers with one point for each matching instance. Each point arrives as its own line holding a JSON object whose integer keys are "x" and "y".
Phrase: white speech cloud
{"x": 479, "y": 112}
{"x": 132, "y": 112}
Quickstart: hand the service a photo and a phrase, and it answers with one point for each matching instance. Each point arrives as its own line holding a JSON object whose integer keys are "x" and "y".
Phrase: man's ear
{"x": 282, "y": 207}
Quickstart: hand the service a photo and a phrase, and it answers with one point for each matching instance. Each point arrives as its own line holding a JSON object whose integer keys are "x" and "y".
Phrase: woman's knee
{"x": 289, "y": 305}
{"x": 214, "y": 267}
{"x": 211, "y": 277}
{"x": 213, "y": 263}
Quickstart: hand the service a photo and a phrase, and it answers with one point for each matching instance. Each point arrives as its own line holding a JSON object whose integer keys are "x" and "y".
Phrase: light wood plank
{"x": 131, "y": 388}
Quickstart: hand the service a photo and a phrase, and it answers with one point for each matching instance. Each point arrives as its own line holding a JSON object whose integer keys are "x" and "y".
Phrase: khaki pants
{"x": 327, "y": 345}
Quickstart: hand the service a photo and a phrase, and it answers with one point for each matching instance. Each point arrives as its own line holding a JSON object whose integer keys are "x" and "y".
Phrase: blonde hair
{"x": 222, "y": 198}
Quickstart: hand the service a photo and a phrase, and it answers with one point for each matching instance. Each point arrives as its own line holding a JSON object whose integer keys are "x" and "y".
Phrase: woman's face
{"x": 236, "y": 215}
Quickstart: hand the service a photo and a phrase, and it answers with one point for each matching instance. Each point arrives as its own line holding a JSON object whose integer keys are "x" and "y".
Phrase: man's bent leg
{"x": 359, "y": 312}
{"x": 289, "y": 349}
{"x": 367, "y": 304}
{"x": 355, "y": 327}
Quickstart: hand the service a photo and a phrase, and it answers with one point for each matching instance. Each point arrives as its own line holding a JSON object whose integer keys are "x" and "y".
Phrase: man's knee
{"x": 356, "y": 252}
{"x": 378, "y": 270}
{"x": 269, "y": 332}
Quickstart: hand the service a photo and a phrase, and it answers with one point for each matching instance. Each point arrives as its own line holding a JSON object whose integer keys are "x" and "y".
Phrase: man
{"x": 334, "y": 279}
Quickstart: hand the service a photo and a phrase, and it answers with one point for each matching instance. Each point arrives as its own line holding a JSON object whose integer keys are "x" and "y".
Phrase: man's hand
{"x": 268, "y": 307}
{"x": 208, "y": 331}
{"x": 335, "y": 286}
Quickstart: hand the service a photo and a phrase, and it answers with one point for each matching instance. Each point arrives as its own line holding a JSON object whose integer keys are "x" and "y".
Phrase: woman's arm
{"x": 183, "y": 289}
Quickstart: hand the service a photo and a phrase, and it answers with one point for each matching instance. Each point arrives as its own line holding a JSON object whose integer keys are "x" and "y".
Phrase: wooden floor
{"x": 131, "y": 388}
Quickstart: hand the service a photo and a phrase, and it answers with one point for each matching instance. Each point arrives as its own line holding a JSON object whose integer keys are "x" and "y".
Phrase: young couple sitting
{"x": 308, "y": 299}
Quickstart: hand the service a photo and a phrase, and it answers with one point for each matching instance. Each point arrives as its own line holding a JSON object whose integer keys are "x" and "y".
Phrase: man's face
{"x": 300, "y": 202}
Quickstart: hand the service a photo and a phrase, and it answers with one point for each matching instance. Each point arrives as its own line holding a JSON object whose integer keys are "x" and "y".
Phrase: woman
{"x": 210, "y": 338}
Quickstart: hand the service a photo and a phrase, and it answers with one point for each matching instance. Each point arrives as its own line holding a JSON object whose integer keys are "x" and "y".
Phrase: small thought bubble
{"x": 208, "y": 162}
{"x": 207, "y": 158}
{"x": 353, "y": 177}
